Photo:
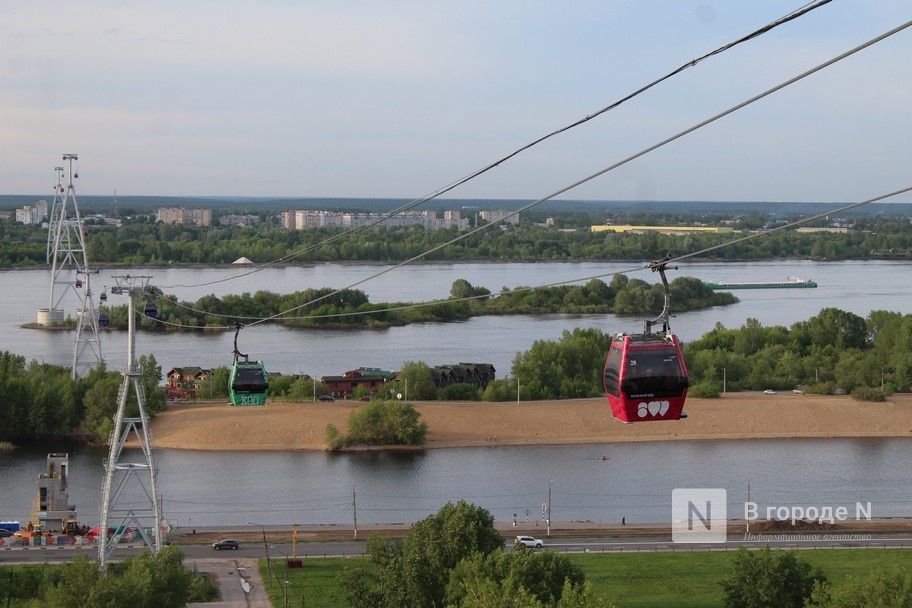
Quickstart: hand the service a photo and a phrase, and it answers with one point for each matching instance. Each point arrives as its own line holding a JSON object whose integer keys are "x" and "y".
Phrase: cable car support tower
{"x": 137, "y": 474}
{"x": 70, "y": 273}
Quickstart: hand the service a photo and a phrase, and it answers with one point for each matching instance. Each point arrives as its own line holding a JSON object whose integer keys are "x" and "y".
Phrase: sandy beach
{"x": 301, "y": 426}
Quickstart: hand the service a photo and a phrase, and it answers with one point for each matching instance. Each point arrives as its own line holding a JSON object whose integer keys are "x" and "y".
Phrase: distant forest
{"x": 555, "y": 233}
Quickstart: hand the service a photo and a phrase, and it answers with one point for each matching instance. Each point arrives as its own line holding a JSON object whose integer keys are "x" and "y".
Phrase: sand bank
{"x": 301, "y": 426}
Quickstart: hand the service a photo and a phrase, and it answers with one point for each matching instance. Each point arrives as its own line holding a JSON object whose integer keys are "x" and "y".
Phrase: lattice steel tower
{"x": 70, "y": 273}
{"x": 130, "y": 483}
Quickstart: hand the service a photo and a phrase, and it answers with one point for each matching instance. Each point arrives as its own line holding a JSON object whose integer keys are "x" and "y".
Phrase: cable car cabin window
{"x": 613, "y": 371}
{"x": 653, "y": 373}
{"x": 249, "y": 380}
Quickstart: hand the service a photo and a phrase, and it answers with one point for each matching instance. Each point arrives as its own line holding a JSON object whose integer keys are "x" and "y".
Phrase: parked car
{"x": 797, "y": 391}
{"x": 226, "y": 543}
{"x": 4, "y": 533}
{"x": 327, "y": 398}
{"x": 364, "y": 398}
{"x": 769, "y": 391}
{"x": 529, "y": 541}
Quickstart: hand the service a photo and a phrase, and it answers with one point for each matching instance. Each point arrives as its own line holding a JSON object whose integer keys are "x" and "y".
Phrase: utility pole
{"x": 549, "y": 506}
{"x": 119, "y": 473}
{"x": 355, "y": 511}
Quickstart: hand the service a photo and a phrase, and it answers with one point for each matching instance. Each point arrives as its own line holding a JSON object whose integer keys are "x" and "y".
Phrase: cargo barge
{"x": 790, "y": 282}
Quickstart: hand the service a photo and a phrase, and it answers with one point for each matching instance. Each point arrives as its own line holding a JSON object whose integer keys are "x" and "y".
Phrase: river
{"x": 857, "y": 287}
{"x": 601, "y": 484}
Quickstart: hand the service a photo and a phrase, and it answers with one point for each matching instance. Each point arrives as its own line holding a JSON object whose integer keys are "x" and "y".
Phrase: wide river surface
{"x": 599, "y": 483}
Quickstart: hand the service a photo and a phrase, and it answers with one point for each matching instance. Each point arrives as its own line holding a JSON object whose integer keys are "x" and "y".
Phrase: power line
{"x": 614, "y": 166}
{"x": 455, "y": 184}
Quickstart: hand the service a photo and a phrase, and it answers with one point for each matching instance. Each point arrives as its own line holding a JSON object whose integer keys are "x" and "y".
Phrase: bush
{"x": 704, "y": 390}
{"x": 334, "y": 439}
{"x": 459, "y": 392}
{"x": 866, "y": 393}
{"x": 385, "y": 423}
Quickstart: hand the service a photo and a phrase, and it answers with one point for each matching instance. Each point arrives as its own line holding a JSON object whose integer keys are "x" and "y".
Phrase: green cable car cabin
{"x": 249, "y": 383}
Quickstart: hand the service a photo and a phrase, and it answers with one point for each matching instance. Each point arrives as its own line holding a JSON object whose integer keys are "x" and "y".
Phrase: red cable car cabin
{"x": 645, "y": 377}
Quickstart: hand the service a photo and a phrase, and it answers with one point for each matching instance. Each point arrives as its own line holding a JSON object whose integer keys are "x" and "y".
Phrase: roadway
{"x": 321, "y": 549}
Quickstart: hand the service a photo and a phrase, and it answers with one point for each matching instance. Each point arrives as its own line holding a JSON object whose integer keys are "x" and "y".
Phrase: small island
{"x": 327, "y": 308}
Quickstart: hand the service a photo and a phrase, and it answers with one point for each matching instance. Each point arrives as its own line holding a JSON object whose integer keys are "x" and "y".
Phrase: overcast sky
{"x": 398, "y": 98}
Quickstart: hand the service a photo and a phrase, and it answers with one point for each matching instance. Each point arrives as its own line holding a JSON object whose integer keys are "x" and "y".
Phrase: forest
{"x": 568, "y": 239}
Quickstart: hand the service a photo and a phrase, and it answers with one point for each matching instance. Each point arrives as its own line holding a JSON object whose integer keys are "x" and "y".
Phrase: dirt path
{"x": 301, "y": 426}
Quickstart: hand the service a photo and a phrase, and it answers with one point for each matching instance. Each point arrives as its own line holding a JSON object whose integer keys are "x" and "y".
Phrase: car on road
{"x": 529, "y": 541}
{"x": 797, "y": 391}
{"x": 769, "y": 391}
{"x": 4, "y": 533}
{"x": 327, "y": 398}
{"x": 226, "y": 543}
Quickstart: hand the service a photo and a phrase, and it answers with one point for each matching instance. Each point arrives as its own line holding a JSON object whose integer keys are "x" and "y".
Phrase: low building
{"x": 371, "y": 378}
{"x": 184, "y": 217}
{"x": 478, "y": 375}
{"x": 674, "y": 230}
{"x": 184, "y": 382}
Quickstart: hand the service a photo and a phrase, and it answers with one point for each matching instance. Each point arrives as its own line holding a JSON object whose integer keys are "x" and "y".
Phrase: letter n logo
{"x": 699, "y": 515}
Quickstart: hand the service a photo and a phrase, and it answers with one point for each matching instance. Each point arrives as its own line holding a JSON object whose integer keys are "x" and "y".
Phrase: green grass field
{"x": 628, "y": 579}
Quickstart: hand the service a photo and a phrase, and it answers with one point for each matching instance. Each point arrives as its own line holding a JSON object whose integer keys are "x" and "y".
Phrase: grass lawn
{"x": 628, "y": 579}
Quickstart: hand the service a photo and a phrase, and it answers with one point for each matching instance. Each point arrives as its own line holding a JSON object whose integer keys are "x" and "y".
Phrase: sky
{"x": 400, "y": 98}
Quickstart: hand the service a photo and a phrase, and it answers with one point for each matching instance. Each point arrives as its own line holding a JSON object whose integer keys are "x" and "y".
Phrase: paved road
{"x": 311, "y": 550}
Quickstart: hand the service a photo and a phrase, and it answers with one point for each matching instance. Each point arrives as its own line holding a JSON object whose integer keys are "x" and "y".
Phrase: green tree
{"x": 151, "y": 378}
{"x": 100, "y": 406}
{"x": 415, "y": 381}
{"x": 569, "y": 368}
{"x": 215, "y": 385}
{"x": 383, "y": 422}
{"x": 883, "y": 588}
{"x": 540, "y": 575}
{"x": 413, "y": 572}
{"x": 767, "y": 579}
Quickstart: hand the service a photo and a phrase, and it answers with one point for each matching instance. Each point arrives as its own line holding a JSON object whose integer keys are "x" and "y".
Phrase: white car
{"x": 529, "y": 541}
{"x": 769, "y": 391}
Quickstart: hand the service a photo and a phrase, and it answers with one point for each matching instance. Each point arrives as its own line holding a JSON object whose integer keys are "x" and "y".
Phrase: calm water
{"x": 857, "y": 287}
{"x": 601, "y": 483}
{"x": 597, "y": 483}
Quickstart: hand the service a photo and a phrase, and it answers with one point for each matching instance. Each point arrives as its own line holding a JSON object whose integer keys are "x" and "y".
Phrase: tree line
{"x": 141, "y": 243}
{"x": 43, "y": 401}
{"x": 347, "y": 308}
{"x": 834, "y": 351}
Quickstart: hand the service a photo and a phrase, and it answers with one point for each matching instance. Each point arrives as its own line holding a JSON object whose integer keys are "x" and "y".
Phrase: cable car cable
{"x": 623, "y": 162}
{"x": 620, "y": 163}
{"x": 527, "y": 288}
{"x": 452, "y": 185}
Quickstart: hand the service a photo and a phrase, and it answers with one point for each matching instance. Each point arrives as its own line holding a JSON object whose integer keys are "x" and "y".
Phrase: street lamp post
{"x": 748, "y": 524}
{"x": 285, "y": 585}
{"x": 265, "y": 546}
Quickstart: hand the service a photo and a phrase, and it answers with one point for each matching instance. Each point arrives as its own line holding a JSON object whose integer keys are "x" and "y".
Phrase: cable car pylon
{"x": 134, "y": 481}
{"x": 70, "y": 272}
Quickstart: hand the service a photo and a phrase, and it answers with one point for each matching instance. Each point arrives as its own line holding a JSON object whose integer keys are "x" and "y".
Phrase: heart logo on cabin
{"x": 653, "y": 408}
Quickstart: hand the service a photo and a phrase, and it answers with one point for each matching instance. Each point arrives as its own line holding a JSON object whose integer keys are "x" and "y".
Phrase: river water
{"x": 857, "y": 287}
{"x": 601, "y": 484}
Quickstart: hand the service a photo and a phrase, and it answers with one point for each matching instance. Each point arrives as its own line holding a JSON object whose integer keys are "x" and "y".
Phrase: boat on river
{"x": 789, "y": 282}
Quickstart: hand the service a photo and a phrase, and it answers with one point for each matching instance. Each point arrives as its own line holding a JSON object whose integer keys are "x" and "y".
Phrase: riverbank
{"x": 301, "y": 426}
